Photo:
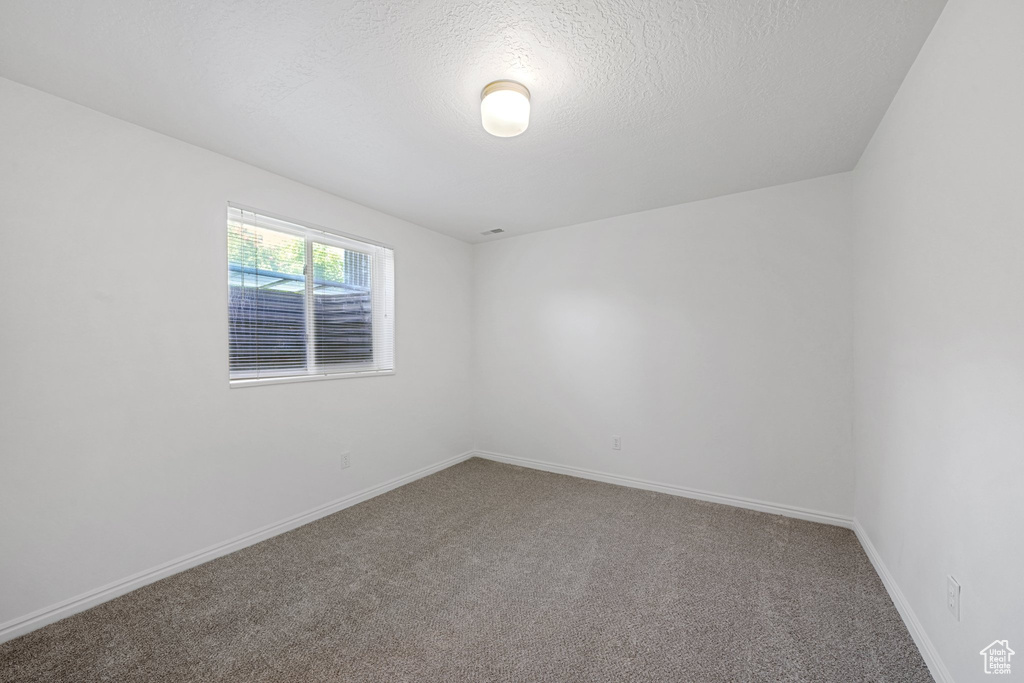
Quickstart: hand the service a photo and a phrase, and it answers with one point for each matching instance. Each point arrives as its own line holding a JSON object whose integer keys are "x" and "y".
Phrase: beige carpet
{"x": 488, "y": 572}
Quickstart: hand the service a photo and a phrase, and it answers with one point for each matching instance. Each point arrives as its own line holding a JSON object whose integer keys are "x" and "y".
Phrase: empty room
{"x": 512, "y": 341}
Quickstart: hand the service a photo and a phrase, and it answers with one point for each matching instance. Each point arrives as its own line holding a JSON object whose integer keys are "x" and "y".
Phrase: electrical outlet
{"x": 346, "y": 459}
{"x": 617, "y": 443}
{"x": 953, "y": 597}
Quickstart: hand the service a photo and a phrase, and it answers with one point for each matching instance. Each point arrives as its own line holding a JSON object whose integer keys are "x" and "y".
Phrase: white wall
{"x": 939, "y": 323}
{"x": 123, "y": 446}
{"x": 714, "y": 337}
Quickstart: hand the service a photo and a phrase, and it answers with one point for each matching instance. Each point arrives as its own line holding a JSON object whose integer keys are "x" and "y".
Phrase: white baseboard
{"x": 735, "y": 501}
{"x": 30, "y": 622}
{"x": 931, "y": 656}
{"x": 48, "y": 615}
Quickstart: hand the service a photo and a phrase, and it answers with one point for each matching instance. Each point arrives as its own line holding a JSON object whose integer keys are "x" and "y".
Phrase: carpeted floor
{"x": 488, "y": 572}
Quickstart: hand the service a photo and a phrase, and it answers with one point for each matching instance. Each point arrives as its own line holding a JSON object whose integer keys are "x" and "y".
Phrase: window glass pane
{"x": 266, "y": 302}
{"x": 342, "y": 305}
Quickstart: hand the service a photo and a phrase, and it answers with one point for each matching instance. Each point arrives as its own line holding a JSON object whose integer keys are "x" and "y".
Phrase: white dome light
{"x": 505, "y": 108}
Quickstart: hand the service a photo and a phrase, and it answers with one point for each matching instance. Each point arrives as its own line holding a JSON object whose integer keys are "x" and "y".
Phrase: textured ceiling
{"x": 636, "y": 103}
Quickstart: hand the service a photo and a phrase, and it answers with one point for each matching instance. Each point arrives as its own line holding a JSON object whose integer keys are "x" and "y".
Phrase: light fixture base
{"x": 494, "y": 86}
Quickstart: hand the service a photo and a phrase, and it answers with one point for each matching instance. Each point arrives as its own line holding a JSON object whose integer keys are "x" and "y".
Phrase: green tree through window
{"x": 273, "y": 251}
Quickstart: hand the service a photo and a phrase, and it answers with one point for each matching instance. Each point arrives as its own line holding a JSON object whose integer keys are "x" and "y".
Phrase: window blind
{"x": 304, "y": 301}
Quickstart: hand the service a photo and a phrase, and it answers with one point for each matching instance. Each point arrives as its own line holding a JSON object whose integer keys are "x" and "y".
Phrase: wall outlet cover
{"x": 953, "y": 597}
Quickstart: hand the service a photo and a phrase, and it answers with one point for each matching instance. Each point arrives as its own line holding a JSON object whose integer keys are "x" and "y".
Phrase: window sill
{"x": 261, "y": 381}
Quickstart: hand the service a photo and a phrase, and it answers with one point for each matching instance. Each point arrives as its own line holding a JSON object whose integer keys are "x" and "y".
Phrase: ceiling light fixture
{"x": 505, "y": 108}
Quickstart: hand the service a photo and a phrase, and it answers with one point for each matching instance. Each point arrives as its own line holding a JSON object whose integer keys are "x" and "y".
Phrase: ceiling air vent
{"x": 493, "y": 232}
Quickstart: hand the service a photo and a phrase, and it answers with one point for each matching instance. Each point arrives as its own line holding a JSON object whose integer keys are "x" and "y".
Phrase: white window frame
{"x": 379, "y": 305}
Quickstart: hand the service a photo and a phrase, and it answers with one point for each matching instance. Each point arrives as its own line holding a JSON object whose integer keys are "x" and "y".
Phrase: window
{"x": 305, "y": 303}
